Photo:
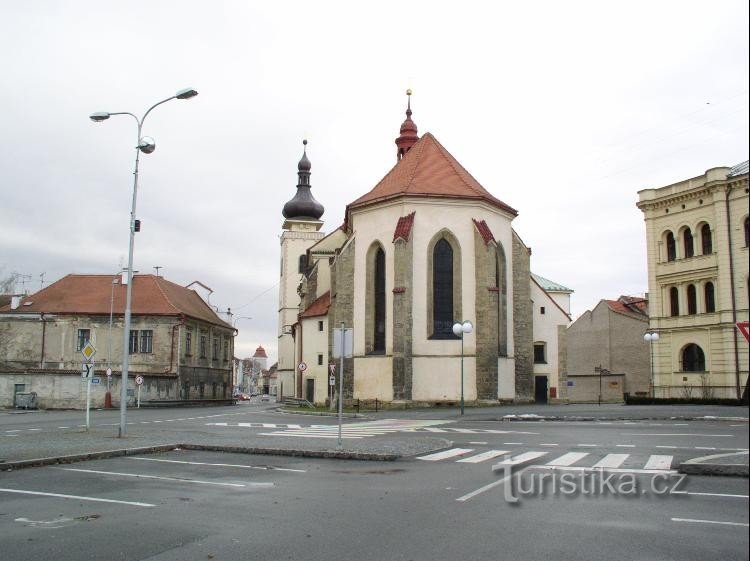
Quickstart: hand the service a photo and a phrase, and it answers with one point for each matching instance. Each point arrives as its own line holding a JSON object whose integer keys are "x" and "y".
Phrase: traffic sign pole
{"x": 341, "y": 382}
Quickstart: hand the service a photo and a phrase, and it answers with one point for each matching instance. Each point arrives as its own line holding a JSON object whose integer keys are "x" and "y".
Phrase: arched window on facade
{"x": 706, "y": 242}
{"x": 501, "y": 281}
{"x": 693, "y": 359}
{"x": 671, "y": 247}
{"x": 379, "y": 327}
{"x": 687, "y": 238}
{"x": 692, "y": 303}
{"x": 708, "y": 296}
{"x": 442, "y": 290}
{"x": 674, "y": 302}
{"x": 302, "y": 264}
{"x": 375, "y": 303}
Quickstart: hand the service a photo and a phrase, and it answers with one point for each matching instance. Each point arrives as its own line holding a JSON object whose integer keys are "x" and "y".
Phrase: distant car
{"x": 265, "y": 397}
{"x": 254, "y": 394}
{"x": 242, "y": 397}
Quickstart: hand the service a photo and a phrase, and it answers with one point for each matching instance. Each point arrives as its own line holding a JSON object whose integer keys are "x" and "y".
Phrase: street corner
{"x": 733, "y": 464}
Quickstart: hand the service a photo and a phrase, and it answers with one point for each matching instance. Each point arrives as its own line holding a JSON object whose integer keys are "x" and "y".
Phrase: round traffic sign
{"x": 139, "y": 380}
{"x": 109, "y": 372}
{"x": 302, "y": 367}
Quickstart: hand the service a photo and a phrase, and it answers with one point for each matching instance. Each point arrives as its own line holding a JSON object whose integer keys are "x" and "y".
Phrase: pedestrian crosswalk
{"x": 548, "y": 460}
{"x": 356, "y": 430}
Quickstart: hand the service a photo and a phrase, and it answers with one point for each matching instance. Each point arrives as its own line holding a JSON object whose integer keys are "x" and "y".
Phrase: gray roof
{"x": 739, "y": 169}
{"x": 550, "y": 286}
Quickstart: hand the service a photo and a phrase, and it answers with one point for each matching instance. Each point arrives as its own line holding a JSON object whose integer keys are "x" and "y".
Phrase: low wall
{"x": 585, "y": 389}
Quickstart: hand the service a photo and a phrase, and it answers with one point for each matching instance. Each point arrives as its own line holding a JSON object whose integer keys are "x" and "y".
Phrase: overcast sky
{"x": 563, "y": 110}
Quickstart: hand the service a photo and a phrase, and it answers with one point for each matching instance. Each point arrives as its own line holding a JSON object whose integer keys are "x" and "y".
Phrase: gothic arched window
{"x": 379, "y": 307}
{"x": 442, "y": 290}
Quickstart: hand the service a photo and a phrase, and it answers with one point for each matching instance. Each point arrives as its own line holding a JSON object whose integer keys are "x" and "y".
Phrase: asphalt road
{"x": 445, "y": 504}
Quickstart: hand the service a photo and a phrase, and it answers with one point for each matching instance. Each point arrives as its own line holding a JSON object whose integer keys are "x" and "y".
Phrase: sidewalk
{"x": 734, "y": 464}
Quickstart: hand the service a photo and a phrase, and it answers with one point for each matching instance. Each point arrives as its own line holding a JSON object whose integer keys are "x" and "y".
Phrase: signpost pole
{"x": 138, "y": 406}
{"x": 88, "y": 394}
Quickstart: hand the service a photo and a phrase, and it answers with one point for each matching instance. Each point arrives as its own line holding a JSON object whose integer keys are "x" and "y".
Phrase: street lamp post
{"x": 651, "y": 337}
{"x": 460, "y": 329}
{"x": 147, "y": 146}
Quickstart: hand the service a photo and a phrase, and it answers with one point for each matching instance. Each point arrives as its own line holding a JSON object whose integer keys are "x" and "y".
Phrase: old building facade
{"x": 697, "y": 236}
{"x": 177, "y": 343}
{"x": 426, "y": 247}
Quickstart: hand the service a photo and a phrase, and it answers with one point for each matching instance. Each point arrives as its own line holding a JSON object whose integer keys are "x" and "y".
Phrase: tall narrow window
{"x": 691, "y": 300}
{"x": 215, "y": 355}
{"x": 302, "y": 265}
{"x": 693, "y": 359}
{"x": 188, "y": 343}
{"x": 706, "y": 241}
{"x": 708, "y": 293}
{"x": 379, "y": 307}
{"x": 133, "y": 341}
{"x": 84, "y": 335}
{"x": 147, "y": 340}
{"x": 203, "y": 346}
{"x": 687, "y": 238}
{"x": 671, "y": 247}
{"x": 674, "y": 302}
{"x": 442, "y": 291}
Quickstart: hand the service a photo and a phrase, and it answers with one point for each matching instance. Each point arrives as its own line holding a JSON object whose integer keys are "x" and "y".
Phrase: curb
{"x": 104, "y": 454}
{"x": 540, "y": 418}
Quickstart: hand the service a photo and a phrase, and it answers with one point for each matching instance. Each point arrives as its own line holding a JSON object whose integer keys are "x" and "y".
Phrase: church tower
{"x": 301, "y": 230}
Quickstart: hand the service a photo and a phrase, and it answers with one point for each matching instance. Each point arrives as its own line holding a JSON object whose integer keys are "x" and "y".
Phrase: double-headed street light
{"x": 651, "y": 337}
{"x": 460, "y": 329}
{"x": 146, "y": 145}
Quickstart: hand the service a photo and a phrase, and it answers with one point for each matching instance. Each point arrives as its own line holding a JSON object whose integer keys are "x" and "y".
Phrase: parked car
{"x": 265, "y": 397}
{"x": 242, "y": 397}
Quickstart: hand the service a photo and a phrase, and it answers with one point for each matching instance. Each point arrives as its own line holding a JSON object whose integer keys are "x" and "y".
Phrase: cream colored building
{"x": 697, "y": 238}
{"x": 426, "y": 247}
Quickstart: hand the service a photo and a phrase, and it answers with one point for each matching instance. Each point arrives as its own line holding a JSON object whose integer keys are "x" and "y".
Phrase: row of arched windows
{"x": 691, "y": 300}
{"x": 688, "y": 243}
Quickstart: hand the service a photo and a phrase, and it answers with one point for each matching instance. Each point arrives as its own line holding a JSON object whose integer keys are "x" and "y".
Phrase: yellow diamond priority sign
{"x": 88, "y": 351}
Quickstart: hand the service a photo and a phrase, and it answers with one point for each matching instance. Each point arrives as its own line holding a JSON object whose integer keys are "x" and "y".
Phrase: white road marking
{"x": 513, "y": 443}
{"x": 476, "y": 492}
{"x": 483, "y": 456}
{"x": 75, "y": 497}
{"x": 305, "y": 435}
{"x": 477, "y": 443}
{"x": 218, "y": 465}
{"x": 588, "y": 445}
{"x": 568, "y": 459}
{"x": 63, "y": 427}
{"x": 432, "y": 429}
{"x": 549, "y": 445}
{"x": 626, "y": 445}
{"x": 611, "y": 461}
{"x": 445, "y": 454}
{"x": 676, "y": 434}
{"x": 161, "y": 478}
{"x": 658, "y": 462}
{"x": 665, "y": 446}
{"x": 525, "y": 457}
{"x": 608, "y": 470}
{"x": 705, "y": 448}
{"x": 745, "y": 524}
{"x": 709, "y": 494}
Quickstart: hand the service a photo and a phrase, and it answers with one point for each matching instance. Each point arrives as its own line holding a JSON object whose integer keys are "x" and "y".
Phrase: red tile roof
{"x": 260, "y": 352}
{"x": 429, "y": 170}
{"x": 484, "y": 231}
{"x": 319, "y": 307}
{"x": 630, "y": 305}
{"x": 93, "y": 295}
{"x": 403, "y": 228}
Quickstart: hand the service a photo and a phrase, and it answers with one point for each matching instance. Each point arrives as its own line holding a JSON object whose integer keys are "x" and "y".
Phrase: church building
{"x": 427, "y": 247}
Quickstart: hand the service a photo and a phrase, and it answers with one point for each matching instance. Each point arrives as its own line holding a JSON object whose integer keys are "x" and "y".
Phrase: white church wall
{"x": 373, "y": 378}
{"x": 439, "y": 379}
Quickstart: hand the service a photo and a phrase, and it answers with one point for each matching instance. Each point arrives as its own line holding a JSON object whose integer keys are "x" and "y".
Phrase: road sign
{"x": 87, "y": 370}
{"x": 109, "y": 372}
{"x": 332, "y": 368}
{"x": 95, "y": 380}
{"x": 88, "y": 350}
{"x": 139, "y": 380}
{"x": 331, "y": 381}
{"x": 302, "y": 367}
{"x": 744, "y": 327}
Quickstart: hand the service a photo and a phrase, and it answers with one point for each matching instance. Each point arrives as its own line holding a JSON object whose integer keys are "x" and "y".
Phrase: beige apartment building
{"x": 697, "y": 238}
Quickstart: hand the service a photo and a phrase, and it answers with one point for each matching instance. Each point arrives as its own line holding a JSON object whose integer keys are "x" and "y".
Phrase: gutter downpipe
{"x": 44, "y": 329}
{"x": 734, "y": 301}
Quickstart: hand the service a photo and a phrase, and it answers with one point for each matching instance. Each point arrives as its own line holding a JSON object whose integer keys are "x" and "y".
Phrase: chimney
{"x": 15, "y": 301}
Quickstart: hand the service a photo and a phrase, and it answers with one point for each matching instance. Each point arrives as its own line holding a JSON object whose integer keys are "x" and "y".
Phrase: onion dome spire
{"x": 408, "y": 133}
{"x": 303, "y": 204}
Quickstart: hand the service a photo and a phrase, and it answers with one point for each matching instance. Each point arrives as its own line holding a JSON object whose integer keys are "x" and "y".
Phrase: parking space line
{"x": 75, "y": 497}
{"x": 162, "y": 478}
